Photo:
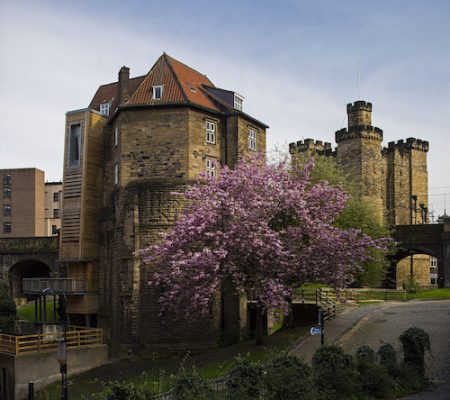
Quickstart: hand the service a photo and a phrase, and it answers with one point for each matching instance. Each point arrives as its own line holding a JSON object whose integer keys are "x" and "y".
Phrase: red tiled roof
{"x": 109, "y": 93}
{"x": 182, "y": 84}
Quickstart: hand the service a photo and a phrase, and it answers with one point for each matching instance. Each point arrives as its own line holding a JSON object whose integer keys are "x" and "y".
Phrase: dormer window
{"x": 157, "y": 92}
{"x": 238, "y": 102}
{"x": 104, "y": 108}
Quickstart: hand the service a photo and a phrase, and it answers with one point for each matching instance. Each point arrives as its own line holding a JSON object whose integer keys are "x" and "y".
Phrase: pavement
{"x": 382, "y": 323}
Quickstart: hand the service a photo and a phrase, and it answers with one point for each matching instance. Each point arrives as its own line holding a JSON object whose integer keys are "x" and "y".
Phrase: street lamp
{"x": 62, "y": 345}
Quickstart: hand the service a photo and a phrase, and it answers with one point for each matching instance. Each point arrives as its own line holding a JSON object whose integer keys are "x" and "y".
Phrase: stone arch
{"x": 26, "y": 268}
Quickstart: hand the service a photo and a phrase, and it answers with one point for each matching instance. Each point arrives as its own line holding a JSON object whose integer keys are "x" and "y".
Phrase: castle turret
{"x": 359, "y": 153}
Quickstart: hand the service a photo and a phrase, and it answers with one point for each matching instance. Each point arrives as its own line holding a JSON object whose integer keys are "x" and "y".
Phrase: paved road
{"x": 384, "y": 325}
{"x": 377, "y": 324}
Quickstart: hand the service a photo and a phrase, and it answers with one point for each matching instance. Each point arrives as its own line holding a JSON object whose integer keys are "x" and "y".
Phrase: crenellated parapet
{"x": 409, "y": 144}
{"x": 312, "y": 147}
{"x": 359, "y": 132}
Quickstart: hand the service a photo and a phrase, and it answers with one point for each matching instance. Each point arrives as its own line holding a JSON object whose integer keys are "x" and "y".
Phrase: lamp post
{"x": 61, "y": 355}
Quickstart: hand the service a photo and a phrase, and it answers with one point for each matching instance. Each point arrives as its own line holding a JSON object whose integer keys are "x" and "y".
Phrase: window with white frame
{"x": 210, "y": 132}
{"x": 252, "y": 139}
{"x": 238, "y": 102}
{"x": 116, "y": 136}
{"x": 116, "y": 173}
{"x": 210, "y": 167}
{"x": 104, "y": 108}
{"x": 157, "y": 92}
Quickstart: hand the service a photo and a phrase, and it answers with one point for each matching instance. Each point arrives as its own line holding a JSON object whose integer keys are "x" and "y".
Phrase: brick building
{"x": 393, "y": 180}
{"x": 29, "y": 205}
{"x": 139, "y": 140}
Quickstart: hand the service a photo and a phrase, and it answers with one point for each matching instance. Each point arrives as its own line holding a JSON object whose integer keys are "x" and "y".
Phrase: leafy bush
{"x": 126, "y": 391}
{"x": 288, "y": 378}
{"x": 337, "y": 377}
{"x": 244, "y": 380}
{"x": 191, "y": 386}
{"x": 8, "y": 310}
{"x": 375, "y": 380}
{"x": 410, "y": 285}
{"x": 365, "y": 354}
{"x": 387, "y": 357}
{"x": 415, "y": 341}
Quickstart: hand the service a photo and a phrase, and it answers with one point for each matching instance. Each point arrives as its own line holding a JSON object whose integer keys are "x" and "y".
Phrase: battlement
{"x": 359, "y": 105}
{"x": 410, "y": 144}
{"x": 359, "y": 132}
{"x": 311, "y": 146}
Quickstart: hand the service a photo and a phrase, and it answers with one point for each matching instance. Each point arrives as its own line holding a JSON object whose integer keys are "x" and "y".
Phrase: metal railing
{"x": 58, "y": 285}
{"x": 76, "y": 336}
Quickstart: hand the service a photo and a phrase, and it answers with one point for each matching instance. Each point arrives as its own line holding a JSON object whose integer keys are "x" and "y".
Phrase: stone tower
{"x": 359, "y": 153}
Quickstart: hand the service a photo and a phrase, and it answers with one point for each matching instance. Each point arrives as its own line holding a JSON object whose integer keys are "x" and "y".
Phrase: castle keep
{"x": 393, "y": 180}
{"x": 140, "y": 140}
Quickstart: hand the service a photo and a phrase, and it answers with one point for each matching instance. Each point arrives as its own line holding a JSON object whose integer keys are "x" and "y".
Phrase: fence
{"x": 375, "y": 294}
{"x": 75, "y": 336}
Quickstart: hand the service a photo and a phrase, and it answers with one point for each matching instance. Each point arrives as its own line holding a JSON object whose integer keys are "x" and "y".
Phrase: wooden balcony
{"x": 54, "y": 286}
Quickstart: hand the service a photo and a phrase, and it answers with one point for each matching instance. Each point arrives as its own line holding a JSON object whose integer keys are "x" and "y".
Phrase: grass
{"x": 27, "y": 312}
{"x": 430, "y": 294}
{"x": 158, "y": 370}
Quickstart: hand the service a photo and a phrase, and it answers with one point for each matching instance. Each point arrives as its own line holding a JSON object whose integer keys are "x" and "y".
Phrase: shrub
{"x": 126, "y": 391}
{"x": 387, "y": 358}
{"x": 191, "y": 386}
{"x": 415, "y": 341}
{"x": 288, "y": 378}
{"x": 244, "y": 380}
{"x": 365, "y": 354}
{"x": 375, "y": 380}
{"x": 411, "y": 285}
{"x": 337, "y": 377}
{"x": 8, "y": 310}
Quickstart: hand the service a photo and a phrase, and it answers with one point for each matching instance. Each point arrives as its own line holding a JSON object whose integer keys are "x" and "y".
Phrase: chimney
{"x": 124, "y": 78}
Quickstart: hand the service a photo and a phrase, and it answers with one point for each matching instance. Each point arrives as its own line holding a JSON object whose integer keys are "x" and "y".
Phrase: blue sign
{"x": 315, "y": 330}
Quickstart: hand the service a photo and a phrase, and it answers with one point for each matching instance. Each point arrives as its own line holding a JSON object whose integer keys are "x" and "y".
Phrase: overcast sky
{"x": 295, "y": 62}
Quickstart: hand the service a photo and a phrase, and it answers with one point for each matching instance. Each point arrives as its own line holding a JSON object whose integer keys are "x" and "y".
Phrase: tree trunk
{"x": 259, "y": 328}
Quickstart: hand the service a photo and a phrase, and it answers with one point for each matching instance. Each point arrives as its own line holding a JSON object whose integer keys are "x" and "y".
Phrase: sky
{"x": 295, "y": 62}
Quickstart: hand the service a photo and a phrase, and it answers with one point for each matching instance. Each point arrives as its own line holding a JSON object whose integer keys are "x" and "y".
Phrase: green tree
{"x": 357, "y": 214}
{"x": 8, "y": 312}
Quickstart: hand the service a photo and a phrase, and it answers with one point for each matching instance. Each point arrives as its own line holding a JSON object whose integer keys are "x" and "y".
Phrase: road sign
{"x": 315, "y": 330}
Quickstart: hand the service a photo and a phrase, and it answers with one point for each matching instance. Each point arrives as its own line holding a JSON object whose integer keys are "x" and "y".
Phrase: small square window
{"x": 54, "y": 229}
{"x": 7, "y": 179}
{"x": 6, "y": 210}
{"x": 6, "y": 227}
{"x": 157, "y": 92}
{"x": 210, "y": 167}
{"x": 104, "y": 108}
{"x": 116, "y": 136}
{"x": 56, "y": 213}
{"x": 6, "y": 191}
{"x": 55, "y": 197}
{"x": 116, "y": 174}
{"x": 252, "y": 139}
{"x": 210, "y": 132}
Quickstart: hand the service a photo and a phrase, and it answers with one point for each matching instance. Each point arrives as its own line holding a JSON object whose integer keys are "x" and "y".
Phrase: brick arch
{"x": 431, "y": 239}
{"x": 26, "y": 267}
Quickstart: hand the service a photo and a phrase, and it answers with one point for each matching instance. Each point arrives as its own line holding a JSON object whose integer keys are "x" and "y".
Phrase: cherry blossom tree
{"x": 262, "y": 227}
